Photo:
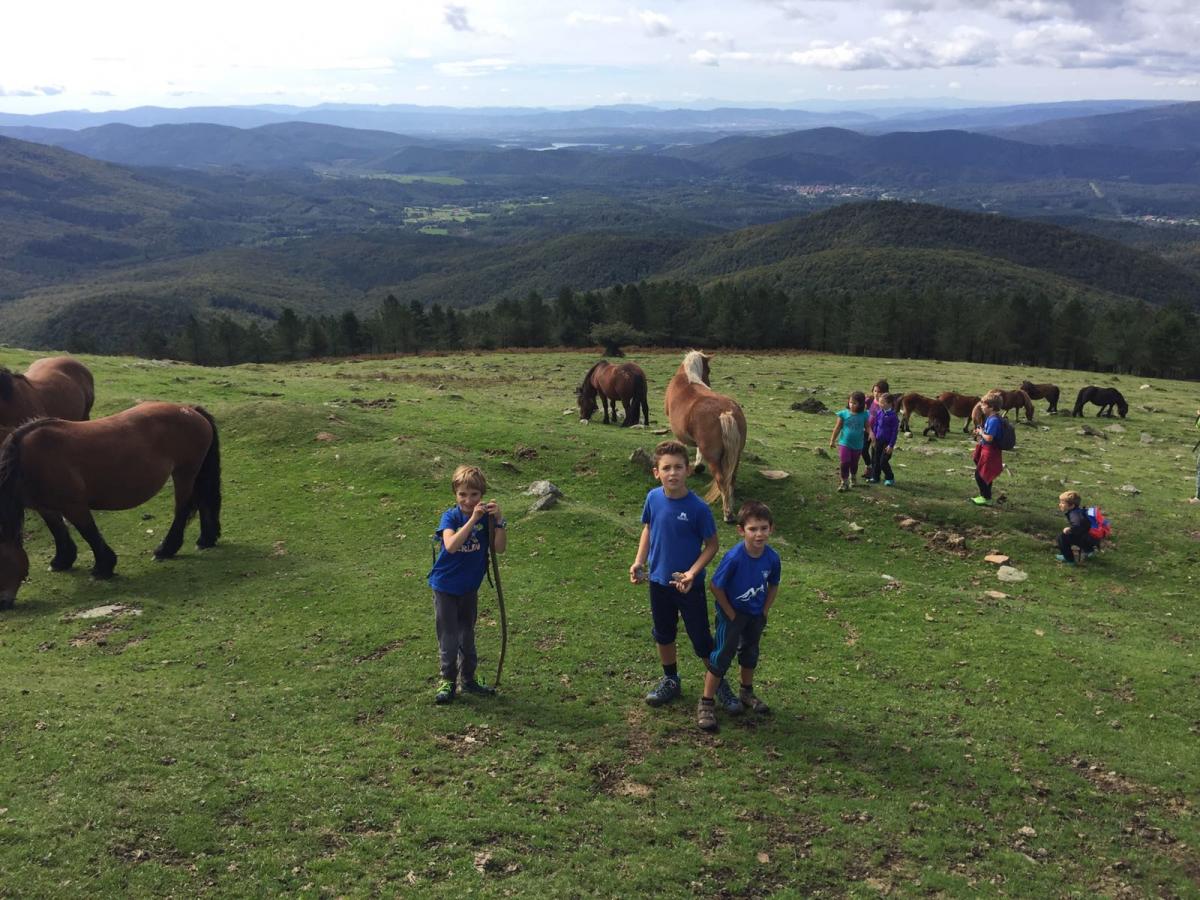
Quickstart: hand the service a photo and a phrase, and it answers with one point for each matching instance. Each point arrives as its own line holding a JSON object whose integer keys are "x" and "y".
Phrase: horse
{"x": 118, "y": 462}
{"x": 1047, "y": 392}
{"x": 1018, "y": 400}
{"x": 626, "y": 382}
{"x": 959, "y": 406}
{"x": 713, "y": 423}
{"x": 1102, "y": 397}
{"x": 934, "y": 410}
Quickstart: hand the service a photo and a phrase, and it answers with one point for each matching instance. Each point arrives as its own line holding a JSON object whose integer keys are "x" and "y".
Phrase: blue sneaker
{"x": 445, "y": 692}
{"x": 889, "y": 483}
{"x": 664, "y": 692}
{"x": 1063, "y": 559}
{"x": 728, "y": 699}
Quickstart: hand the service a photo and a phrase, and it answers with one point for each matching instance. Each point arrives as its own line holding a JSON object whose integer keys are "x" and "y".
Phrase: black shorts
{"x": 667, "y": 605}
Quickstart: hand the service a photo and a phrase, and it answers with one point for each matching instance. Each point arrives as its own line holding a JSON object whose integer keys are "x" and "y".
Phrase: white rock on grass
{"x": 1010, "y": 574}
{"x": 1116, "y": 428}
{"x": 1129, "y": 489}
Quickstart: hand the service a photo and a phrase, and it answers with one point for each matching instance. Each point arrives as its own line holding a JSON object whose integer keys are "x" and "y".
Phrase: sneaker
{"x": 1088, "y": 554}
{"x": 706, "y": 715}
{"x": 665, "y": 691}
{"x": 981, "y": 501}
{"x": 1063, "y": 559}
{"x": 478, "y": 688}
{"x": 445, "y": 692}
{"x": 843, "y": 487}
{"x": 728, "y": 699}
{"x": 751, "y": 702}
{"x": 853, "y": 481}
{"x": 889, "y": 483}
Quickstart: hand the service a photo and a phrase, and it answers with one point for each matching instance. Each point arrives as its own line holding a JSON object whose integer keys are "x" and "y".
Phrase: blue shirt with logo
{"x": 745, "y": 579}
{"x": 678, "y": 530}
{"x": 994, "y": 427}
{"x": 461, "y": 572}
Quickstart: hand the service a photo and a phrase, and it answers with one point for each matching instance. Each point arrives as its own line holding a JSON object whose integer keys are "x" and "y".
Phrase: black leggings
{"x": 1086, "y": 543}
{"x": 985, "y": 489}
{"x": 881, "y": 462}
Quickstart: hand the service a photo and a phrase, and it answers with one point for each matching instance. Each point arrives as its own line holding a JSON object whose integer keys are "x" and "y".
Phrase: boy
{"x": 745, "y": 585}
{"x": 456, "y": 576}
{"x": 679, "y": 538}
{"x": 989, "y": 459}
{"x": 885, "y": 428}
{"x": 1078, "y": 531}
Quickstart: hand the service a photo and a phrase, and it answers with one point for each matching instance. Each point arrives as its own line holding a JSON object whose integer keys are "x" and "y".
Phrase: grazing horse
{"x": 713, "y": 423}
{"x": 1102, "y": 397}
{"x": 118, "y": 462}
{"x": 959, "y": 406}
{"x": 934, "y": 410}
{"x": 1047, "y": 392}
{"x": 1018, "y": 400}
{"x": 626, "y": 382}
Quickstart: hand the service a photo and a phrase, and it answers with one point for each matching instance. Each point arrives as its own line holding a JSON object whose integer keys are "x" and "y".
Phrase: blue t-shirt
{"x": 854, "y": 425}
{"x": 745, "y": 579}
{"x": 678, "y": 530}
{"x": 994, "y": 427}
{"x": 461, "y": 572}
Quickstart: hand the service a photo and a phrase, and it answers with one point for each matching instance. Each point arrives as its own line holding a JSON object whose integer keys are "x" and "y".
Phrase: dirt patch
{"x": 948, "y": 542}
{"x": 1112, "y": 782}
{"x": 380, "y": 652}
{"x": 380, "y": 403}
{"x": 638, "y": 741}
{"x": 472, "y": 738}
{"x": 633, "y": 789}
{"x": 97, "y": 635}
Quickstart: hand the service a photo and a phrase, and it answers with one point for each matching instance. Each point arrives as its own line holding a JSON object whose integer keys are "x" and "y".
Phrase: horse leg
{"x": 698, "y": 465}
{"x": 627, "y": 422}
{"x": 65, "y": 550}
{"x": 105, "y": 558}
{"x": 184, "y": 483}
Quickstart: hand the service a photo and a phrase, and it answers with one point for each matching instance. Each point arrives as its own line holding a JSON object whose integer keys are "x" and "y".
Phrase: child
{"x": 1196, "y": 499}
{"x": 744, "y": 585}
{"x": 885, "y": 429}
{"x": 456, "y": 576}
{"x": 851, "y": 426}
{"x": 878, "y": 389}
{"x": 679, "y": 538}
{"x": 1078, "y": 530}
{"x": 989, "y": 461}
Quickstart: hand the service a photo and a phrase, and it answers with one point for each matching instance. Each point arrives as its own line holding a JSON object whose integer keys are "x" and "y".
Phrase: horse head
{"x": 695, "y": 366}
{"x": 14, "y": 568}
{"x": 1122, "y": 406}
{"x": 587, "y": 403}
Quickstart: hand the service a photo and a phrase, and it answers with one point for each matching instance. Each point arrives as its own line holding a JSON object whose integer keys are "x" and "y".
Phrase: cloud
{"x": 102, "y": 94}
{"x": 964, "y": 47}
{"x": 873, "y": 87}
{"x": 655, "y": 24}
{"x": 456, "y": 17}
{"x": 37, "y": 90}
{"x": 576, "y": 18}
{"x": 473, "y": 68}
{"x": 705, "y": 58}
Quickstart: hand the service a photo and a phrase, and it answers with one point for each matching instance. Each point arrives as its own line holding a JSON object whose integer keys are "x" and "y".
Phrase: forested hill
{"x": 1175, "y": 127}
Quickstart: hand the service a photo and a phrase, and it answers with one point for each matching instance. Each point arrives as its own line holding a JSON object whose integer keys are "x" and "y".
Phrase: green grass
{"x": 266, "y": 725}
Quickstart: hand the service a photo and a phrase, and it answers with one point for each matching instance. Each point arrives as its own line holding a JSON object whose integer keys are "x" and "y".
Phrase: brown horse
{"x": 118, "y": 462}
{"x": 934, "y": 410}
{"x": 959, "y": 406}
{"x": 626, "y": 382}
{"x": 1018, "y": 400}
{"x": 1047, "y": 392}
{"x": 713, "y": 423}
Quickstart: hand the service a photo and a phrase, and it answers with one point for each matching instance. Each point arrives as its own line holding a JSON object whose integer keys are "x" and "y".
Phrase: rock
{"x": 1144, "y": 387}
{"x": 909, "y": 522}
{"x": 325, "y": 436}
{"x": 1146, "y": 438}
{"x": 642, "y": 459}
{"x": 1115, "y": 428}
{"x": 995, "y": 595}
{"x": 997, "y": 558}
{"x": 773, "y": 474}
{"x": 544, "y": 502}
{"x": 659, "y": 431}
{"x": 1010, "y": 575}
{"x": 855, "y": 527}
{"x": 570, "y": 412}
{"x": 543, "y": 489}
{"x": 1092, "y": 432}
{"x": 1129, "y": 489}
{"x": 810, "y": 405}
{"x": 99, "y": 612}
{"x": 821, "y": 452}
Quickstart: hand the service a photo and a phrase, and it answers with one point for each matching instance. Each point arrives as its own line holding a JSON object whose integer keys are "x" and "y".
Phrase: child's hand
{"x": 1066, "y": 531}
{"x": 682, "y": 581}
{"x": 831, "y": 444}
{"x": 637, "y": 573}
{"x": 888, "y": 450}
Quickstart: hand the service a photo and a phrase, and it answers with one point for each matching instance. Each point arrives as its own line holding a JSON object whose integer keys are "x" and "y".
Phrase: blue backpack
{"x": 1100, "y": 526}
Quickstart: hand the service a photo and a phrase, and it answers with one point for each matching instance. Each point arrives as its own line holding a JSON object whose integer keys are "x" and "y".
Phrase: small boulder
{"x": 1092, "y": 432}
{"x": 774, "y": 474}
{"x": 543, "y": 489}
{"x": 544, "y": 502}
{"x": 325, "y": 436}
{"x": 1146, "y": 438}
{"x": 810, "y": 405}
{"x": 1129, "y": 489}
{"x": 1010, "y": 575}
{"x": 995, "y": 595}
{"x": 642, "y": 459}
{"x": 997, "y": 558}
{"x": 855, "y": 527}
{"x": 1115, "y": 428}
{"x": 909, "y": 522}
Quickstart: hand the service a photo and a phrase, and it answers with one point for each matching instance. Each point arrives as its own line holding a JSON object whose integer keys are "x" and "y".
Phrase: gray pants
{"x": 455, "y": 615}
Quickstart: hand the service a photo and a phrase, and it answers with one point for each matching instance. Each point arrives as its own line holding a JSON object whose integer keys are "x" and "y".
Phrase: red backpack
{"x": 1101, "y": 526}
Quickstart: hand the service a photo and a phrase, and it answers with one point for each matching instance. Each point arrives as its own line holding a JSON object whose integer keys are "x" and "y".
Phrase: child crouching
{"x": 1078, "y": 532}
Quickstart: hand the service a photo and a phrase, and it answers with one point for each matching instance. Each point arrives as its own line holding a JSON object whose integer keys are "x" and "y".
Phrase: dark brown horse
{"x": 934, "y": 410}
{"x": 1105, "y": 398}
{"x": 959, "y": 406}
{"x": 1047, "y": 392}
{"x": 70, "y": 468}
{"x": 1018, "y": 400}
{"x": 626, "y": 382}
{"x": 712, "y": 423}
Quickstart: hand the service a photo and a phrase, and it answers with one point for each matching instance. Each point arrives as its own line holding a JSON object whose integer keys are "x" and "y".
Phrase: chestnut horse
{"x": 626, "y": 382}
{"x": 934, "y": 410}
{"x": 713, "y": 423}
{"x": 1018, "y": 400}
{"x": 118, "y": 462}
{"x": 1102, "y": 397}
{"x": 1047, "y": 392}
{"x": 959, "y": 406}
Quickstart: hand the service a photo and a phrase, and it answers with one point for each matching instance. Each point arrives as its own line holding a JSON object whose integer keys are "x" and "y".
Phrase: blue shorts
{"x": 741, "y": 635}
{"x": 666, "y": 607}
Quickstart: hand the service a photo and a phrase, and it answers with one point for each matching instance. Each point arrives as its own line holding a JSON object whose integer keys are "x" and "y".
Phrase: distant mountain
{"x": 1175, "y": 127}
{"x": 576, "y": 165}
{"x": 989, "y": 118}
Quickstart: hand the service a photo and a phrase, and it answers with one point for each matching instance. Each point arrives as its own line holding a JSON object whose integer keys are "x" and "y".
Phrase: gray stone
{"x": 1129, "y": 489}
{"x": 1092, "y": 432}
{"x": 642, "y": 459}
{"x": 810, "y": 405}
{"x": 821, "y": 452}
{"x": 1146, "y": 438}
{"x": 546, "y": 501}
{"x": 1115, "y": 428}
{"x": 1011, "y": 575}
{"x": 543, "y": 489}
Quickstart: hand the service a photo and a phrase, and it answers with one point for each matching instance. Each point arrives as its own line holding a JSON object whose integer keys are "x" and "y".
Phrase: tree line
{"x": 1018, "y": 328}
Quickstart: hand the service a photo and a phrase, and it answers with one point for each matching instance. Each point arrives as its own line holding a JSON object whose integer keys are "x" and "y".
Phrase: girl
{"x": 989, "y": 461}
{"x": 849, "y": 433}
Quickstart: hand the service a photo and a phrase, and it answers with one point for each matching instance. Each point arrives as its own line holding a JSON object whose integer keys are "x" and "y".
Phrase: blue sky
{"x": 126, "y": 53}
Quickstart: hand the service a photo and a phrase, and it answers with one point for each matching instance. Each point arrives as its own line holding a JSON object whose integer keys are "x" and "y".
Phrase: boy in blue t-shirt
{"x": 679, "y": 538}
{"x": 455, "y": 578}
{"x": 744, "y": 585}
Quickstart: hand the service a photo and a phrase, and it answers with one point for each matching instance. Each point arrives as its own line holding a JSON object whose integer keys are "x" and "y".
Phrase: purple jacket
{"x": 886, "y": 428}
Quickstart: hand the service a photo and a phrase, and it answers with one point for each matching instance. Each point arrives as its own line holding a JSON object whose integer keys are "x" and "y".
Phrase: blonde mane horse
{"x": 712, "y": 423}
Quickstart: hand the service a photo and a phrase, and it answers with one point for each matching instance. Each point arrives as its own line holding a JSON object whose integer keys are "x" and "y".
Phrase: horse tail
{"x": 1080, "y": 399}
{"x": 644, "y": 396}
{"x": 731, "y": 452}
{"x": 12, "y": 508}
{"x": 206, "y": 490}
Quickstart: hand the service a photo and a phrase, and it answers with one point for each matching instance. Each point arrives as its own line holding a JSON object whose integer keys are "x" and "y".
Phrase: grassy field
{"x": 266, "y": 724}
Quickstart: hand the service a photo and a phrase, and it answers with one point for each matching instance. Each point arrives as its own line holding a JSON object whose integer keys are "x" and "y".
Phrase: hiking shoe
{"x": 665, "y": 691}
{"x": 751, "y": 701}
{"x": 843, "y": 487}
{"x": 889, "y": 483}
{"x": 478, "y": 688}
{"x": 728, "y": 699}
{"x": 981, "y": 501}
{"x": 445, "y": 692}
{"x": 853, "y": 481}
{"x": 706, "y": 715}
{"x": 1063, "y": 559}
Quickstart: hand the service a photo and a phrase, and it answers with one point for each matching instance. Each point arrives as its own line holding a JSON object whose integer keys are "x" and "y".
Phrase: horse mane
{"x": 693, "y": 366}
{"x": 6, "y": 383}
{"x": 587, "y": 379}
{"x": 12, "y": 509}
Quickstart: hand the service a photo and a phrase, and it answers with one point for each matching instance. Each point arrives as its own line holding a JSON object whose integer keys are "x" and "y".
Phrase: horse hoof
{"x": 102, "y": 576}
{"x": 60, "y": 565}
{"x": 205, "y": 545}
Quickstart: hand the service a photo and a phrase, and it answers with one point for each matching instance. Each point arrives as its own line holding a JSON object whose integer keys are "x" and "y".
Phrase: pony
{"x": 626, "y": 382}
{"x": 1102, "y": 397}
{"x": 934, "y": 410}
{"x": 1018, "y": 400}
{"x": 712, "y": 423}
{"x": 959, "y": 406}
{"x": 117, "y": 462}
{"x": 1047, "y": 392}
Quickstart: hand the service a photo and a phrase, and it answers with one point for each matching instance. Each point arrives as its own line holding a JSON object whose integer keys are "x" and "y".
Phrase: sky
{"x": 125, "y": 53}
